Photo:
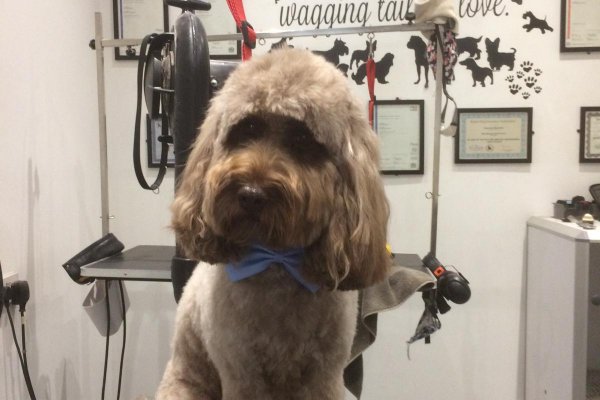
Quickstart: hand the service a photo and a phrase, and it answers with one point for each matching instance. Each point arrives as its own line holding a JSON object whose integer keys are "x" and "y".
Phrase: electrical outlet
{"x": 10, "y": 277}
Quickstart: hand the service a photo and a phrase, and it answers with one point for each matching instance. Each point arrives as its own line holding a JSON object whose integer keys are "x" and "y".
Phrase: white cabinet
{"x": 563, "y": 324}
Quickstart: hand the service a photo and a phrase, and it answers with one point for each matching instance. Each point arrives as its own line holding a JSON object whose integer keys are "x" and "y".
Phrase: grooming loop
{"x": 248, "y": 34}
{"x": 371, "y": 71}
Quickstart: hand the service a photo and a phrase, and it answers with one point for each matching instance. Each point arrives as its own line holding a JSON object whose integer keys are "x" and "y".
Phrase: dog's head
{"x": 415, "y": 43}
{"x": 374, "y": 45}
{"x": 492, "y": 46}
{"x": 387, "y": 59}
{"x": 340, "y": 47}
{"x": 286, "y": 158}
{"x": 468, "y": 62}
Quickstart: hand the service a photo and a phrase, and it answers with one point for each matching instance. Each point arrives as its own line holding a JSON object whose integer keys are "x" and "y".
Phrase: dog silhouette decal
{"x": 382, "y": 69}
{"x": 536, "y": 23}
{"x": 362, "y": 55}
{"x": 478, "y": 73}
{"x": 468, "y": 45}
{"x": 333, "y": 55}
{"x": 498, "y": 59}
{"x": 419, "y": 47}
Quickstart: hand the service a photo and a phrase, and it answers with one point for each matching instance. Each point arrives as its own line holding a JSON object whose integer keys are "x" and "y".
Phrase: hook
{"x": 371, "y": 36}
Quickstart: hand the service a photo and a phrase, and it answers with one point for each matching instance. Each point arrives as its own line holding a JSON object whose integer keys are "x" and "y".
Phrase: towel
{"x": 436, "y": 11}
{"x": 406, "y": 277}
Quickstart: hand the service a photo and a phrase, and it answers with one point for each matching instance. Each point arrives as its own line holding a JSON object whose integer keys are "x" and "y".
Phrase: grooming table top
{"x": 153, "y": 263}
{"x": 142, "y": 263}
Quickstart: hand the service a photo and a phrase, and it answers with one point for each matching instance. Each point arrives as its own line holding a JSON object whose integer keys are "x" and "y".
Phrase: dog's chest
{"x": 271, "y": 327}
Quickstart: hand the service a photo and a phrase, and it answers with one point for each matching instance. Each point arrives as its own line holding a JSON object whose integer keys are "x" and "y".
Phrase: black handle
{"x": 189, "y": 4}
{"x": 452, "y": 285}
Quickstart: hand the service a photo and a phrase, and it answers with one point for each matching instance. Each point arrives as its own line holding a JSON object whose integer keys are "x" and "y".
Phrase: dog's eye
{"x": 248, "y": 129}
{"x": 301, "y": 143}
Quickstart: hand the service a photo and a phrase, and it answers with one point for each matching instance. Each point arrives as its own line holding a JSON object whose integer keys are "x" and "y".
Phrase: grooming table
{"x": 140, "y": 263}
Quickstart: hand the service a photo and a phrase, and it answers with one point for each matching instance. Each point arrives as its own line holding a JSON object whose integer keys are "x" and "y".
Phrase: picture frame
{"x": 589, "y": 135}
{"x": 134, "y": 19}
{"x": 154, "y": 130}
{"x": 580, "y": 26}
{"x": 219, "y": 21}
{"x": 493, "y": 135}
{"x": 400, "y": 127}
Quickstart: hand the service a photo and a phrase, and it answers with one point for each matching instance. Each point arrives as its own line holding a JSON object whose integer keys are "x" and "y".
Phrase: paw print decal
{"x": 514, "y": 88}
{"x": 527, "y": 66}
{"x": 530, "y": 81}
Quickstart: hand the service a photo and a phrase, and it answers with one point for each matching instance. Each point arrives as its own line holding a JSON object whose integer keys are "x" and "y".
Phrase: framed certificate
{"x": 154, "y": 130}
{"x": 134, "y": 19}
{"x": 399, "y": 125}
{"x": 580, "y": 25}
{"x": 493, "y": 135}
{"x": 219, "y": 21}
{"x": 589, "y": 142}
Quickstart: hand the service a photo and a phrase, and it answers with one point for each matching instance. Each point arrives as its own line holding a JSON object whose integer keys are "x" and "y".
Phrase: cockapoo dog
{"x": 282, "y": 203}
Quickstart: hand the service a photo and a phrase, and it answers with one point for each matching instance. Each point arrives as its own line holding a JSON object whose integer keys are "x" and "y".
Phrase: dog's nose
{"x": 252, "y": 198}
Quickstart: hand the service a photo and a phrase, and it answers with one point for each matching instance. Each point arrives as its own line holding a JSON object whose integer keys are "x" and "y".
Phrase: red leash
{"x": 249, "y": 36}
{"x": 371, "y": 71}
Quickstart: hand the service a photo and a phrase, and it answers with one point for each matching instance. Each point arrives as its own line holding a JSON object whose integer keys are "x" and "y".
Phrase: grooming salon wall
{"x": 508, "y": 58}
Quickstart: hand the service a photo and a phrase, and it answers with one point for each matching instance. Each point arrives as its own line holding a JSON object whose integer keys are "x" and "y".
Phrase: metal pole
{"x": 102, "y": 124}
{"x": 282, "y": 34}
{"x": 437, "y": 124}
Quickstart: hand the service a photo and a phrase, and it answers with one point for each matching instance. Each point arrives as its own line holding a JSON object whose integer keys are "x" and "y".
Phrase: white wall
{"x": 50, "y": 206}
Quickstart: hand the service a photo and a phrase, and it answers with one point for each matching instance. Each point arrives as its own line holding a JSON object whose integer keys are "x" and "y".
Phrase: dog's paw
{"x": 527, "y": 66}
{"x": 530, "y": 81}
{"x": 520, "y": 74}
{"x": 525, "y": 95}
{"x": 510, "y": 78}
{"x": 537, "y": 72}
{"x": 514, "y": 88}
{"x": 537, "y": 89}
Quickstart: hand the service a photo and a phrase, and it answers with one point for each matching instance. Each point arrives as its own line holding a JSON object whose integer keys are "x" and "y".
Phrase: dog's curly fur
{"x": 285, "y": 124}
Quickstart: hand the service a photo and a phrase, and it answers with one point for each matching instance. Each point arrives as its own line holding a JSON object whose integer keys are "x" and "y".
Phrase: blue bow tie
{"x": 260, "y": 258}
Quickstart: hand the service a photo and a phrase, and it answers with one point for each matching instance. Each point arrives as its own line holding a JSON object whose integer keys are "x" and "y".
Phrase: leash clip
{"x": 245, "y": 27}
{"x": 371, "y": 36}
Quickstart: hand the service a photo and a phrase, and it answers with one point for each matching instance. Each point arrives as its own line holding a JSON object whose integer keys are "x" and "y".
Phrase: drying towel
{"x": 406, "y": 277}
{"x": 437, "y": 11}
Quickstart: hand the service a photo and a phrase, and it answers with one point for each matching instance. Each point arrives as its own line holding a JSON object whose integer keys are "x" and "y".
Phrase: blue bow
{"x": 260, "y": 258}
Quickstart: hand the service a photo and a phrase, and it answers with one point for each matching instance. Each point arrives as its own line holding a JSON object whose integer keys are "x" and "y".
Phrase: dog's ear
{"x": 196, "y": 239}
{"x": 353, "y": 246}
